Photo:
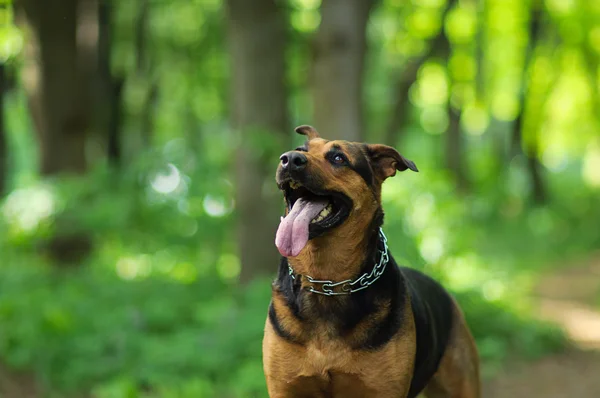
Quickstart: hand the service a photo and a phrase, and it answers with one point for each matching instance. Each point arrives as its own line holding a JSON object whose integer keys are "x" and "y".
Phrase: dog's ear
{"x": 385, "y": 160}
{"x": 308, "y": 131}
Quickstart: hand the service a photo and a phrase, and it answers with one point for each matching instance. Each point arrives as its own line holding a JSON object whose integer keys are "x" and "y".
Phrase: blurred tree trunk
{"x": 144, "y": 71}
{"x": 141, "y": 31}
{"x": 54, "y": 85}
{"x": 339, "y": 51}
{"x": 530, "y": 148}
{"x": 3, "y": 138}
{"x": 401, "y": 107}
{"x": 259, "y": 115}
{"x": 454, "y": 144}
{"x": 58, "y": 66}
{"x": 147, "y": 117}
{"x": 455, "y": 149}
{"x": 111, "y": 86}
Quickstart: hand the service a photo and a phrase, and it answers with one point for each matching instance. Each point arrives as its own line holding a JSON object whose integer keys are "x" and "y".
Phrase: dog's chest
{"x": 329, "y": 371}
{"x": 321, "y": 357}
{"x": 331, "y": 385}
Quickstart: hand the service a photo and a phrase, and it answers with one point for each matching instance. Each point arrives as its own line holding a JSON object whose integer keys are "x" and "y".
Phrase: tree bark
{"x": 59, "y": 62}
{"x": 338, "y": 64}
{"x": 3, "y": 138}
{"x": 55, "y": 85}
{"x": 147, "y": 117}
{"x": 111, "y": 86}
{"x": 530, "y": 148}
{"x": 455, "y": 150}
{"x": 114, "y": 151}
{"x": 260, "y": 117}
{"x": 454, "y": 144}
{"x": 144, "y": 70}
{"x": 141, "y": 23}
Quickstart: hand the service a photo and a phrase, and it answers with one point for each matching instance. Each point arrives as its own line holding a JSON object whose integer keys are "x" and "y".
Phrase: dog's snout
{"x": 293, "y": 160}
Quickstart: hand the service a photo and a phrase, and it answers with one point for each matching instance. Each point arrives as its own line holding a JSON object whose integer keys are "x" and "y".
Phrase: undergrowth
{"x": 155, "y": 310}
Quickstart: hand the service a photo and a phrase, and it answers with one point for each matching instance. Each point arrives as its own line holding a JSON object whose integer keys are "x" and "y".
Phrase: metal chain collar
{"x": 350, "y": 286}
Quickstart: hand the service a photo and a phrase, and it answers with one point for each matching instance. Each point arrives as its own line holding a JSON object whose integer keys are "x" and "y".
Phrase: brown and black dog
{"x": 345, "y": 320}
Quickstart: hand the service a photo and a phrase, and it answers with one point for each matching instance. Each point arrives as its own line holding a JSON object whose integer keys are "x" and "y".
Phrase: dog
{"x": 344, "y": 319}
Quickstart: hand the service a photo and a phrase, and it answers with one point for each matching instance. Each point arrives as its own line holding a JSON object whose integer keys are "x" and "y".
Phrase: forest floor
{"x": 568, "y": 297}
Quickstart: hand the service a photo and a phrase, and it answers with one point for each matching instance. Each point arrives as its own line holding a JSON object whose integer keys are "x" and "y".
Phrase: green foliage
{"x": 84, "y": 329}
{"x": 156, "y": 312}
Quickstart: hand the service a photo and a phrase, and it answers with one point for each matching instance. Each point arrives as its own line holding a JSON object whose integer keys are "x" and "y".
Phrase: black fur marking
{"x": 432, "y": 308}
{"x": 388, "y": 287}
{"x": 303, "y": 148}
{"x": 362, "y": 166}
{"x": 281, "y": 332}
{"x": 289, "y": 288}
{"x": 393, "y": 321}
{"x": 431, "y": 305}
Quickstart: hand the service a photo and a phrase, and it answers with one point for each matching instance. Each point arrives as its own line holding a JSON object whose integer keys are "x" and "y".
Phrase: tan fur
{"x": 348, "y": 238}
{"x": 326, "y": 367}
{"x": 458, "y": 374}
{"x": 321, "y": 364}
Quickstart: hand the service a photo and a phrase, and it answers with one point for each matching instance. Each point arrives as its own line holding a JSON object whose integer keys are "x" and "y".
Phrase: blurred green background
{"x": 139, "y": 141}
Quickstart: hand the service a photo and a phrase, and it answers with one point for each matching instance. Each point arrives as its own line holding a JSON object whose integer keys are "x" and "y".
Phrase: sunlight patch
{"x": 555, "y": 159}
{"x": 434, "y": 119}
{"x": 591, "y": 166}
{"x": 505, "y": 106}
{"x": 464, "y": 272}
{"x": 563, "y": 7}
{"x": 134, "y": 267}
{"x": 27, "y": 208}
{"x": 307, "y": 4}
{"x": 432, "y": 248}
{"x": 475, "y": 119}
{"x": 184, "y": 272}
{"x": 432, "y": 86}
{"x": 493, "y": 290}
{"x": 166, "y": 182}
{"x": 229, "y": 266}
{"x": 216, "y": 207}
{"x": 420, "y": 214}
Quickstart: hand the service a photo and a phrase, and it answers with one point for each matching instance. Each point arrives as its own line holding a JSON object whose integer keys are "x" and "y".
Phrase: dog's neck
{"x": 339, "y": 257}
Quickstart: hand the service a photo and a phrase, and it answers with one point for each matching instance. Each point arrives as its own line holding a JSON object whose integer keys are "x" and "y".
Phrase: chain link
{"x": 350, "y": 286}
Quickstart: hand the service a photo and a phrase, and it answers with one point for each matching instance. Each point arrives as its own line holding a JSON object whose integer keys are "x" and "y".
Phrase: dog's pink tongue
{"x": 292, "y": 233}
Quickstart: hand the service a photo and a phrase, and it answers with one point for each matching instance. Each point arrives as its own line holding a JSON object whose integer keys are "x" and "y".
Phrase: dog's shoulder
{"x": 432, "y": 309}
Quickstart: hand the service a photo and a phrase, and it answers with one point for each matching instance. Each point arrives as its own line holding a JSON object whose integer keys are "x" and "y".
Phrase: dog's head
{"x": 331, "y": 188}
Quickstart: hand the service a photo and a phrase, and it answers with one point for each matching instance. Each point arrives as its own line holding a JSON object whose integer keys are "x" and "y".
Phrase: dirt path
{"x": 14, "y": 385}
{"x": 569, "y": 298}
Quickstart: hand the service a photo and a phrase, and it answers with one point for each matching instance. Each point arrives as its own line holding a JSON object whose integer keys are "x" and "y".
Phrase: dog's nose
{"x": 293, "y": 160}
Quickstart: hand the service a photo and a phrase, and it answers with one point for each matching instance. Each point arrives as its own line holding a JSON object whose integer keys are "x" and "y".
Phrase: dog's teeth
{"x": 325, "y": 212}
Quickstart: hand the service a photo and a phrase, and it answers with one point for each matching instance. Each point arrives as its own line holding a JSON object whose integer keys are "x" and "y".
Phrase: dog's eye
{"x": 339, "y": 159}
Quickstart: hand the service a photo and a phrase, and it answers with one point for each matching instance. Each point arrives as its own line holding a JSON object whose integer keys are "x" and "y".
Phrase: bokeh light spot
{"x": 229, "y": 266}
{"x": 591, "y": 166}
{"x": 26, "y": 208}
{"x": 216, "y": 206}
{"x": 167, "y": 182}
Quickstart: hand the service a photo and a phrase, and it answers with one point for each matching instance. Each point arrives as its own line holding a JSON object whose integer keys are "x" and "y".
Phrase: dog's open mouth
{"x": 310, "y": 214}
